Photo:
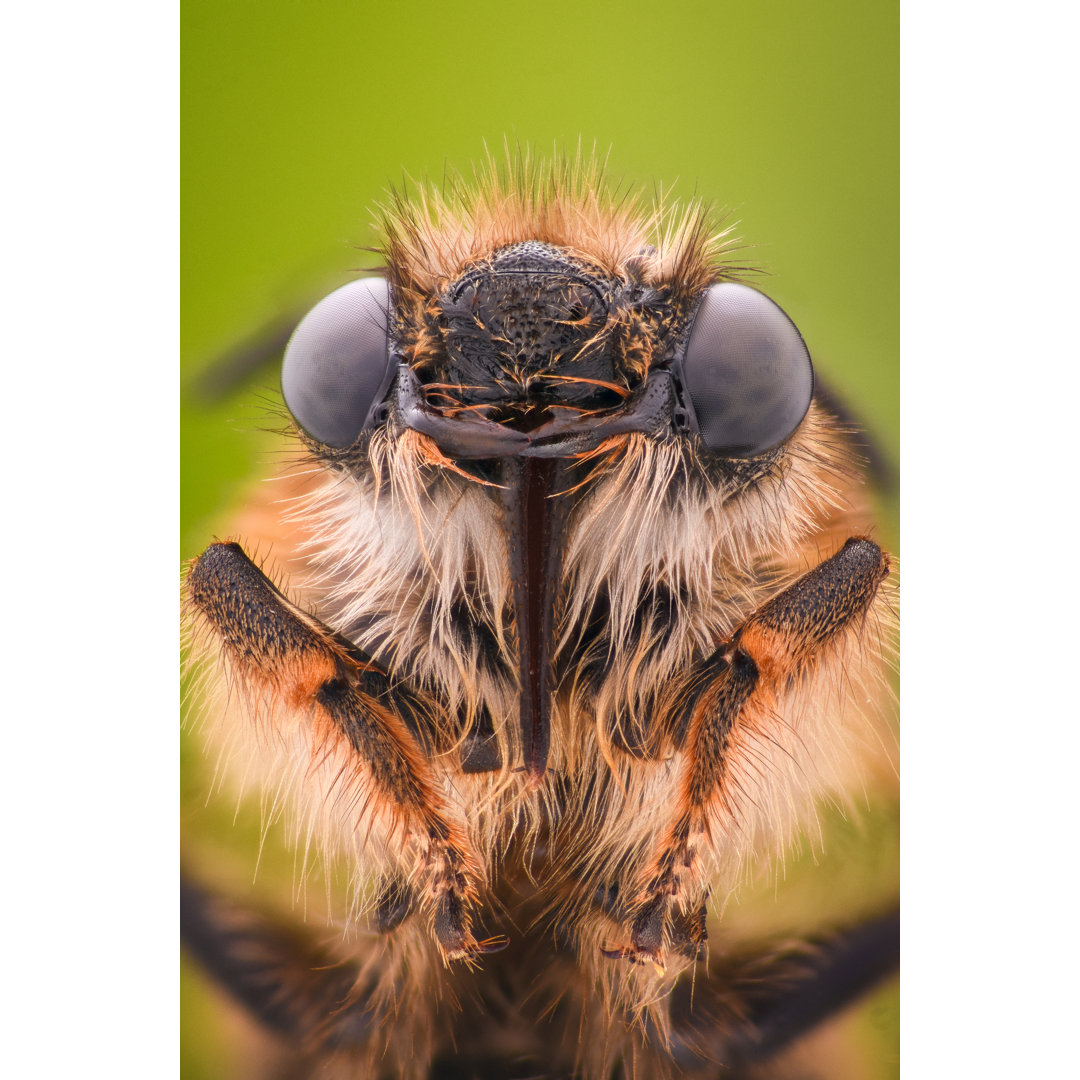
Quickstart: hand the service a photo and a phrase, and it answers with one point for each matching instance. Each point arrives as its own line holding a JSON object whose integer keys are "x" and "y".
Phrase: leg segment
{"x": 756, "y": 1002}
{"x": 286, "y": 657}
{"x": 294, "y": 987}
{"x": 738, "y": 684}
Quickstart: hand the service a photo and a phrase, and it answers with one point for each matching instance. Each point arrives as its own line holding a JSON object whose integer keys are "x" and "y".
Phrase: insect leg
{"x": 734, "y": 688}
{"x": 281, "y": 655}
{"x": 287, "y": 982}
{"x": 757, "y": 1002}
{"x": 229, "y": 371}
{"x": 881, "y": 471}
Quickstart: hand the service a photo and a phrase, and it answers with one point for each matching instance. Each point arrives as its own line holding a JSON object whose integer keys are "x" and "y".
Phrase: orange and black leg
{"x": 738, "y": 685}
{"x": 285, "y": 658}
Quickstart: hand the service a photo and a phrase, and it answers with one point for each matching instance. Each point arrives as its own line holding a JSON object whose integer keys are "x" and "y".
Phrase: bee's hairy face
{"x": 534, "y": 348}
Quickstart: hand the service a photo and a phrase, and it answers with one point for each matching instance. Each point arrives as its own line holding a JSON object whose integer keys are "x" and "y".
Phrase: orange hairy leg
{"x": 285, "y": 657}
{"x": 738, "y": 686}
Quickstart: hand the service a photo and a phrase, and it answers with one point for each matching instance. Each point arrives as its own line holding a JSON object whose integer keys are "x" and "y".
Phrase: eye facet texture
{"x": 746, "y": 372}
{"x": 337, "y": 366}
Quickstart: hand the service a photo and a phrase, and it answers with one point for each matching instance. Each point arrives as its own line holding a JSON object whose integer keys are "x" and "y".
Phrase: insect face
{"x": 565, "y": 657}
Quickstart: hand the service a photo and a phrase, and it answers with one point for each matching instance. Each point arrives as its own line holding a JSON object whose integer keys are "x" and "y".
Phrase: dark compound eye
{"x": 746, "y": 372}
{"x": 337, "y": 366}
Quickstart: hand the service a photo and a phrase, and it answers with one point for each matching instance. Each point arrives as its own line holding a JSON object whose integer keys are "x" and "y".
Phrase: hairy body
{"x": 547, "y": 689}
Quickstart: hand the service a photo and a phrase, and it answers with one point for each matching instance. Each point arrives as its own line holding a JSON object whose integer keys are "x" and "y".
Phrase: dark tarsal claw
{"x": 395, "y": 903}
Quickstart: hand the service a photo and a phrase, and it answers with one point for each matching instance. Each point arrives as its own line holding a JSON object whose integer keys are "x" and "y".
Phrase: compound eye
{"x": 337, "y": 366}
{"x": 746, "y": 372}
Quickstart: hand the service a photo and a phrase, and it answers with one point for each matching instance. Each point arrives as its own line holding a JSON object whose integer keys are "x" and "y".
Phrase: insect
{"x": 582, "y": 618}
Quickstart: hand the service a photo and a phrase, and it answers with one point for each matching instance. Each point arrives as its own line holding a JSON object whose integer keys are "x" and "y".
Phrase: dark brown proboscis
{"x": 534, "y": 569}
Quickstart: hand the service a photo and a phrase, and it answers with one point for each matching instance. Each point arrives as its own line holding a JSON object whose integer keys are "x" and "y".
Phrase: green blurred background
{"x": 296, "y": 117}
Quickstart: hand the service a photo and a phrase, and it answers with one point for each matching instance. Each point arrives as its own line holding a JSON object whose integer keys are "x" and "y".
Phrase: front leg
{"x": 737, "y": 687}
{"x": 282, "y": 657}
